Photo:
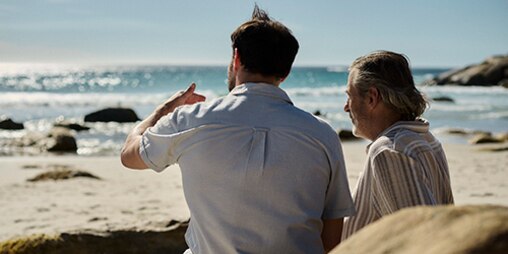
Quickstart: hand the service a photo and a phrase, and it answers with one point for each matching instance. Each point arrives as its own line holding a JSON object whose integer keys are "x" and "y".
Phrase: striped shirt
{"x": 406, "y": 166}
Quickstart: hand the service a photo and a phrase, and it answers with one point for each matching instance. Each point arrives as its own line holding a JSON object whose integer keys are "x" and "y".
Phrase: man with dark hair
{"x": 259, "y": 175}
{"x": 406, "y": 165}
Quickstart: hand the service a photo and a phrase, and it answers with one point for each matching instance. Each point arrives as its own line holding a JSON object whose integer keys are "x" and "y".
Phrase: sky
{"x": 432, "y": 33}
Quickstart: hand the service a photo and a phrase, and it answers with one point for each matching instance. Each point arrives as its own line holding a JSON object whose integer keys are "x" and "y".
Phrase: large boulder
{"x": 59, "y": 140}
{"x": 443, "y": 99}
{"x": 504, "y": 83}
{"x": 434, "y": 230}
{"x": 484, "y": 138}
{"x": 345, "y": 135}
{"x": 71, "y": 126}
{"x": 62, "y": 174}
{"x": 168, "y": 240}
{"x": 8, "y": 124}
{"x": 492, "y": 72}
{"x": 121, "y": 115}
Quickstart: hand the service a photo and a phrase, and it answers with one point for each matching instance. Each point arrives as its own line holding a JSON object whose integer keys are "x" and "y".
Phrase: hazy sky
{"x": 437, "y": 33}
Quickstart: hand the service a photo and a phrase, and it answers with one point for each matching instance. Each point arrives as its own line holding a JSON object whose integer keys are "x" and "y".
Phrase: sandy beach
{"x": 145, "y": 200}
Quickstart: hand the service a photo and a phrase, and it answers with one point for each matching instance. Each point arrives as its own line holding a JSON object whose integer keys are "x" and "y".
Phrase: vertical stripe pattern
{"x": 406, "y": 166}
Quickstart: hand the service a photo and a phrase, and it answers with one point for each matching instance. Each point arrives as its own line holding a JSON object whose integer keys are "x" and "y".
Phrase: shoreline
{"x": 146, "y": 200}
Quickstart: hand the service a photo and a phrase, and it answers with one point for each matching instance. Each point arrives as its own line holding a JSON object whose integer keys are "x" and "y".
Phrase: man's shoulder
{"x": 315, "y": 126}
{"x": 201, "y": 108}
{"x": 403, "y": 141}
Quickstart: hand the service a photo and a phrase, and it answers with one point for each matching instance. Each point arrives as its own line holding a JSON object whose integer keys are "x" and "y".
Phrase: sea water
{"x": 39, "y": 95}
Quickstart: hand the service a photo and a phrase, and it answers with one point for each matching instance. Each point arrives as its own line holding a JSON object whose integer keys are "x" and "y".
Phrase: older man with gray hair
{"x": 406, "y": 165}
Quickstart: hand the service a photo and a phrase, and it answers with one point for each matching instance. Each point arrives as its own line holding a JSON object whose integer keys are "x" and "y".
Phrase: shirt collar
{"x": 264, "y": 89}
{"x": 419, "y": 125}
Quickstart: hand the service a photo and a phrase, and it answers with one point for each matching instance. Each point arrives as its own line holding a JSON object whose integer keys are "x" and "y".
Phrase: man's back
{"x": 259, "y": 175}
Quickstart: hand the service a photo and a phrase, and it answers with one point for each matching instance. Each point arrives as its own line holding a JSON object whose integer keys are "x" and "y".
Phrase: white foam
{"x": 461, "y": 90}
{"x": 317, "y": 91}
{"x": 45, "y": 99}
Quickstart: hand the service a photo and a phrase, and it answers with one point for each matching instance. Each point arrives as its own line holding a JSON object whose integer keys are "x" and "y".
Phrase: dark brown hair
{"x": 265, "y": 46}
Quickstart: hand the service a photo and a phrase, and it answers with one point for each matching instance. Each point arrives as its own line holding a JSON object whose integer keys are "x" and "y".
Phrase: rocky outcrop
{"x": 62, "y": 174}
{"x": 434, "y": 230}
{"x": 120, "y": 115}
{"x": 71, "y": 126}
{"x": 8, "y": 124}
{"x": 492, "y": 72}
{"x": 484, "y": 138}
{"x": 59, "y": 140}
{"x": 346, "y": 135}
{"x": 443, "y": 99}
{"x": 169, "y": 240}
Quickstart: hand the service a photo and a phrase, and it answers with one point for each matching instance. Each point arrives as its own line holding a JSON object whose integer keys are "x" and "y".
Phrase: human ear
{"x": 373, "y": 96}
{"x": 236, "y": 60}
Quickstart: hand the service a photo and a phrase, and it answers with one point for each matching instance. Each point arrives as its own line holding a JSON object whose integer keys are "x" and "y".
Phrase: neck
{"x": 244, "y": 77}
{"x": 382, "y": 120}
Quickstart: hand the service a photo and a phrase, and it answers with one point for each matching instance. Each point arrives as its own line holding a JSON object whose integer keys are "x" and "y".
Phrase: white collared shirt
{"x": 259, "y": 174}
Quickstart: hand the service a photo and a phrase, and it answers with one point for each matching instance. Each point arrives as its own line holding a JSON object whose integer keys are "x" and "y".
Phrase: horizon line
{"x": 187, "y": 64}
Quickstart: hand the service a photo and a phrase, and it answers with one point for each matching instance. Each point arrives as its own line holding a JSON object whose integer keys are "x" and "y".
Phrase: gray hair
{"x": 389, "y": 72}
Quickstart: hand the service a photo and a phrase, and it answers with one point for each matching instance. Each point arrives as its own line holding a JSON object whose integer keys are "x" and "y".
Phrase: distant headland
{"x": 491, "y": 72}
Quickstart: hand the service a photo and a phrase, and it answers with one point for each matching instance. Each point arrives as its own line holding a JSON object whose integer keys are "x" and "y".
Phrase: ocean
{"x": 39, "y": 95}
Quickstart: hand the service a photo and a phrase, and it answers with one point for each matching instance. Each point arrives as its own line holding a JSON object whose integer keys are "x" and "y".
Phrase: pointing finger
{"x": 190, "y": 89}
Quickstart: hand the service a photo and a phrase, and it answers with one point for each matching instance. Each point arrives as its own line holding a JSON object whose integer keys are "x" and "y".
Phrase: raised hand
{"x": 186, "y": 97}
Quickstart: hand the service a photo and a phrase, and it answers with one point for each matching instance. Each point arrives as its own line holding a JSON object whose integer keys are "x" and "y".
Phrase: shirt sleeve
{"x": 158, "y": 143}
{"x": 398, "y": 182}
{"x": 338, "y": 200}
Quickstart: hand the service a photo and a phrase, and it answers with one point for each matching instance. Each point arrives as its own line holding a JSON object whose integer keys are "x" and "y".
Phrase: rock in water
{"x": 8, "y": 124}
{"x": 492, "y": 72}
{"x": 434, "y": 230}
{"x": 346, "y": 134}
{"x": 443, "y": 99}
{"x": 503, "y": 83}
{"x": 484, "y": 138}
{"x": 120, "y": 115}
{"x": 71, "y": 126}
{"x": 60, "y": 140}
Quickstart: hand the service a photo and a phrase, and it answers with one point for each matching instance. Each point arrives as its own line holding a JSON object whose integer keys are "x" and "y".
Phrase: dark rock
{"x": 71, "y": 126}
{"x": 168, "y": 240}
{"x": 503, "y": 83}
{"x": 457, "y": 131}
{"x": 434, "y": 230}
{"x": 484, "y": 138}
{"x": 121, "y": 115}
{"x": 346, "y": 135}
{"x": 479, "y": 132}
{"x": 62, "y": 174}
{"x": 443, "y": 99}
{"x": 491, "y": 72}
{"x": 8, "y": 124}
{"x": 59, "y": 140}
